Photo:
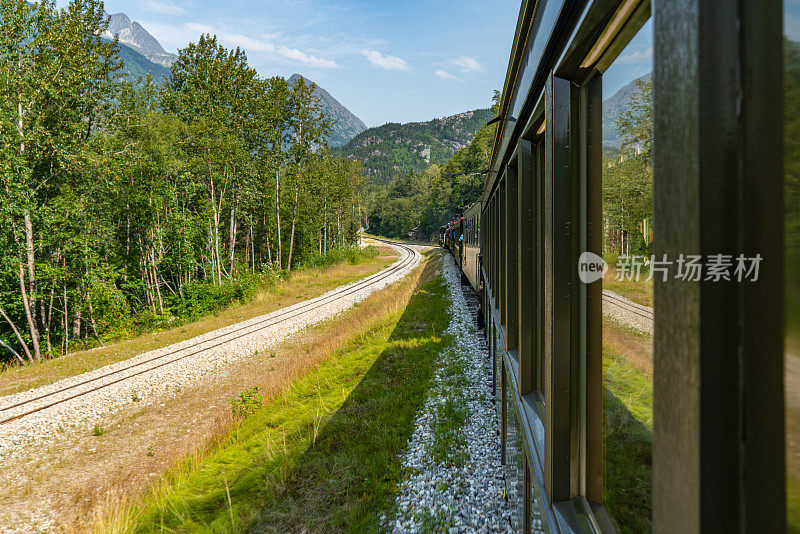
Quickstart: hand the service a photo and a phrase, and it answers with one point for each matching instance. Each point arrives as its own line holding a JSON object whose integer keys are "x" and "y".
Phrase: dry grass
{"x": 635, "y": 346}
{"x": 96, "y": 477}
{"x": 302, "y": 285}
{"x": 640, "y": 292}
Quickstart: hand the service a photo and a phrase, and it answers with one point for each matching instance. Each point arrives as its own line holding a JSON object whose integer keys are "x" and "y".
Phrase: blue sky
{"x": 635, "y": 60}
{"x": 385, "y": 60}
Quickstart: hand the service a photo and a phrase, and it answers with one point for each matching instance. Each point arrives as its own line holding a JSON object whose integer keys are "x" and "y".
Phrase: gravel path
{"x": 210, "y": 354}
{"x": 628, "y": 312}
{"x": 465, "y": 494}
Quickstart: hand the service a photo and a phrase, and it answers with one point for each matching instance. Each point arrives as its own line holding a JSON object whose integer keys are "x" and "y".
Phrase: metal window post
{"x": 511, "y": 224}
{"x": 526, "y": 278}
{"x": 558, "y": 270}
{"x": 718, "y": 457}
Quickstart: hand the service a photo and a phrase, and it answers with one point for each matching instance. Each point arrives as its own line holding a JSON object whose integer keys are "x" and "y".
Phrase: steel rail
{"x": 293, "y": 312}
{"x": 643, "y": 311}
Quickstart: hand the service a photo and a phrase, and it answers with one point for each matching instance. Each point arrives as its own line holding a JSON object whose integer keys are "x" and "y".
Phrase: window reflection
{"x": 792, "y": 251}
{"x": 628, "y": 299}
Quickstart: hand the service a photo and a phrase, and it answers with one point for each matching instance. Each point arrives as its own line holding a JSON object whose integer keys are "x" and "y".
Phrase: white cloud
{"x": 468, "y": 65}
{"x": 164, "y": 8}
{"x": 385, "y": 61}
{"x": 182, "y": 35}
{"x": 637, "y": 56}
{"x": 306, "y": 59}
{"x": 443, "y": 74}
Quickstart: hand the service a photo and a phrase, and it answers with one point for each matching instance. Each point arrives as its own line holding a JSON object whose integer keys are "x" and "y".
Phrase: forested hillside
{"x": 135, "y": 66}
{"x": 417, "y": 203}
{"x": 616, "y": 105}
{"x": 628, "y": 174}
{"x": 393, "y": 150}
{"x": 344, "y": 125}
{"x": 135, "y": 207}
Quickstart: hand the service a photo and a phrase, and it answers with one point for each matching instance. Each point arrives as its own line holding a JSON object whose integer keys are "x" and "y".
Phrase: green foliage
{"x": 791, "y": 148}
{"x": 200, "y": 298}
{"x": 133, "y": 207}
{"x": 791, "y": 162}
{"x": 247, "y": 402}
{"x": 394, "y": 150}
{"x": 448, "y": 440}
{"x": 628, "y": 175}
{"x": 98, "y": 430}
{"x": 350, "y": 254}
{"x": 635, "y": 122}
{"x": 416, "y": 204}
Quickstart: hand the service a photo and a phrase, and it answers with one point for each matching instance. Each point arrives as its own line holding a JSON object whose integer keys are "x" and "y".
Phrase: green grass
{"x": 351, "y": 254}
{"x": 325, "y": 455}
{"x": 639, "y": 291}
{"x": 792, "y": 504}
{"x": 628, "y": 444}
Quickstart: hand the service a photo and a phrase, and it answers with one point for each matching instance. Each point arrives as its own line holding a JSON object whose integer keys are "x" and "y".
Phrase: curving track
{"x": 636, "y": 315}
{"x": 229, "y": 343}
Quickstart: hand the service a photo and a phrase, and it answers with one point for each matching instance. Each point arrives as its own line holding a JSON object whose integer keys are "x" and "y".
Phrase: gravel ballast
{"x": 464, "y": 493}
{"x": 628, "y": 312}
{"x": 208, "y": 356}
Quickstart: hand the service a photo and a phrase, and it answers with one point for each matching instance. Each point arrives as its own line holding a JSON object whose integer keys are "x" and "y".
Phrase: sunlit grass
{"x": 628, "y": 443}
{"x": 639, "y": 291}
{"x": 325, "y": 455}
{"x": 792, "y": 503}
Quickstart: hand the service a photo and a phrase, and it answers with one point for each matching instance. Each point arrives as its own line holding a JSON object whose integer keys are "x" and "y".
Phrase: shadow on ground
{"x": 349, "y": 475}
{"x": 628, "y": 455}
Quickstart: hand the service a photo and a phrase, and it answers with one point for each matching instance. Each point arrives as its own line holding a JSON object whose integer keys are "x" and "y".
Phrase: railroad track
{"x": 67, "y": 393}
{"x": 644, "y": 313}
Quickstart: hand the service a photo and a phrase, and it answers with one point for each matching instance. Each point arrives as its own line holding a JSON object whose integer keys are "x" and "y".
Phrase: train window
{"x": 627, "y": 349}
{"x": 792, "y": 258}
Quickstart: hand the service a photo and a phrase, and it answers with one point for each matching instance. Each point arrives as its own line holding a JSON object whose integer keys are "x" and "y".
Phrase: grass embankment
{"x": 323, "y": 275}
{"x": 324, "y": 456}
{"x": 434, "y": 242}
{"x": 639, "y": 291}
{"x": 628, "y": 427}
{"x": 792, "y": 503}
{"x": 792, "y": 395}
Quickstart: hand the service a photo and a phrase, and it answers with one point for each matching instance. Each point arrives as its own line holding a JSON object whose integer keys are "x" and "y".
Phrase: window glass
{"x": 627, "y": 286}
{"x": 792, "y": 247}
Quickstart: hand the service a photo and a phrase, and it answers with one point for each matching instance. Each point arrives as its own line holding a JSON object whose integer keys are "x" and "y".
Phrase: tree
{"x": 309, "y": 129}
{"x": 635, "y": 123}
{"x": 130, "y": 205}
{"x": 58, "y": 76}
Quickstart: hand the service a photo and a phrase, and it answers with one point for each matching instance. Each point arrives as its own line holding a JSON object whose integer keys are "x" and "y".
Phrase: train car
{"x": 471, "y": 249}
{"x": 718, "y": 434}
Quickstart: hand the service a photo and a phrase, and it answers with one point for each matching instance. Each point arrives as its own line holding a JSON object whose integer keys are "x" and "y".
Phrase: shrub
{"x": 247, "y": 402}
{"x": 351, "y": 254}
{"x": 200, "y": 298}
{"x": 112, "y": 312}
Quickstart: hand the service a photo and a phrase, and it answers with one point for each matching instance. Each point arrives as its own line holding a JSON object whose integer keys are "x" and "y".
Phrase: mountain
{"x": 135, "y": 65}
{"x": 345, "y": 124}
{"x": 614, "y": 106}
{"x": 135, "y": 37}
{"x": 396, "y": 149}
